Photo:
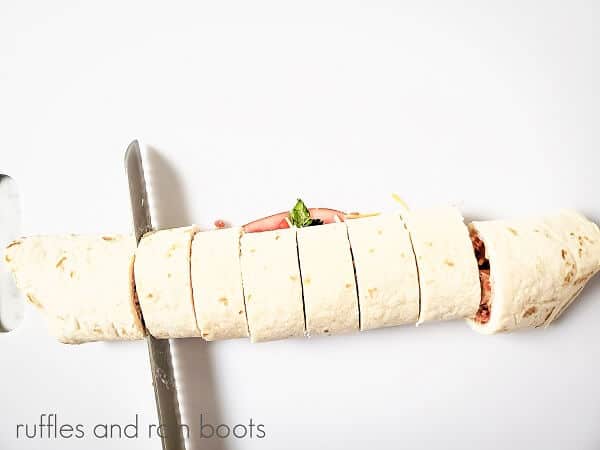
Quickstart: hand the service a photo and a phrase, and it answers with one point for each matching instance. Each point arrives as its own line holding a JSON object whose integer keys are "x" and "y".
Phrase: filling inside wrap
{"x": 485, "y": 305}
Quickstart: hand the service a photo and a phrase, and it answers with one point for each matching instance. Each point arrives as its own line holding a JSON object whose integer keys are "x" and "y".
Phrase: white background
{"x": 493, "y": 106}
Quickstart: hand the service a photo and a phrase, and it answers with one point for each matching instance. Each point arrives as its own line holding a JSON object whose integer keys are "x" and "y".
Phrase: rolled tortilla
{"x": 537, "y": 267}
{"x": 448, "y": 272}
{"x": 83, "y": 285}
{"x": 217, "y": 284}
{"x": 272, "y": 288}
{"x": 329, "y": 287}
{"x": 386, "y": 271}
{"x": 162, "y": 278}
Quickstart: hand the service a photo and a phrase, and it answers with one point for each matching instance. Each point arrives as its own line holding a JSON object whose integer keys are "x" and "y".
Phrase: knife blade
{"x": 159, "y": 350}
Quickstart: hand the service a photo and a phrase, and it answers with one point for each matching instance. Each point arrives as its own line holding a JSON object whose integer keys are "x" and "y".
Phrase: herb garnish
{"x": 300, "y": 216}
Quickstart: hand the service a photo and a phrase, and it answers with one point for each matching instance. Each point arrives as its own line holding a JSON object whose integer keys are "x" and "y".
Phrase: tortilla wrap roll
{"x": 83, "y": 285}
{"x": 162, "y": 278}
{"x": 272, "y": 288}
{"x": 448, "y": 272}
{"x": 536, "y": 268}
{"x": 386, "y": 271}
{"x": 217, "y": 284}
{"x": 328, "y": 283}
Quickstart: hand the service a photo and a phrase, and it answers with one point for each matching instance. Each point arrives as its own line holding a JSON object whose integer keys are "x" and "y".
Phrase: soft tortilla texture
{"x": 217, "y": 284}
{"x": 448, "y": 272}
{"x": 538, "y": 267}
{"x": 329, "y": 286}
{"x": 83, "y": 285}
{"x": 272, "y": 287}
{"x": 386, "y": 271}
{"x": 163, "y": 283}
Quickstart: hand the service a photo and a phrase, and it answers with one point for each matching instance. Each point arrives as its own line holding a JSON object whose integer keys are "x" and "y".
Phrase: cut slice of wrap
{"x": 272, "y": 288}
{"x": 448, "y": 272}
{"x": 163, "y": 282}
{"x": 217, "y": 284}
{"x": 386, "y": 271}
{"x": 329, "y": 286}
{"x": 83, "y": 285}
{"x": 537, "y": 267}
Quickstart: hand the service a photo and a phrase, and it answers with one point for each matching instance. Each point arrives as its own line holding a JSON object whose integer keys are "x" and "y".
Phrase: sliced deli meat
{"x": 448, "y": 271}
{"x": 535, "y": 268}
{"x": 281, "y": 220}
{"x": 328, "y": 283}
{"x": 271, "y": 282}
{"x": 83, "y": 285}
{"x": 386, "y": 271}
{"x": 163, "y": 282}
{"x": 217, "y": 284}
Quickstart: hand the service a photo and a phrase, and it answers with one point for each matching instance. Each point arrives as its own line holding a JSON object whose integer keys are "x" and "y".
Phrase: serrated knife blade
{"x": 159, "y": 350}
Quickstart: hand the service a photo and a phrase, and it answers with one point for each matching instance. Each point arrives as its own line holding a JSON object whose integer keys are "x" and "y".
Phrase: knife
{"x": 159, "y": 350}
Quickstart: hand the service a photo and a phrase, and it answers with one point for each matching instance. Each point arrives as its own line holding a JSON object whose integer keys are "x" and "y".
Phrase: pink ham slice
{"x": 277, "y": 221}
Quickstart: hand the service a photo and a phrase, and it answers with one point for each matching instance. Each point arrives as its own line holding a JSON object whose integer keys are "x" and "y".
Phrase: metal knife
{"x": 161, "y": 363}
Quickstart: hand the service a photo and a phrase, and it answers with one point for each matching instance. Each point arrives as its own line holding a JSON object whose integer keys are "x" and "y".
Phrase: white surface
{"x": 492, "y": 107}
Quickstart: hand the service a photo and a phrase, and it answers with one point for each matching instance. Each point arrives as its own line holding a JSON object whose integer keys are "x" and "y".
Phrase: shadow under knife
{"x": 191, "y": 356}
